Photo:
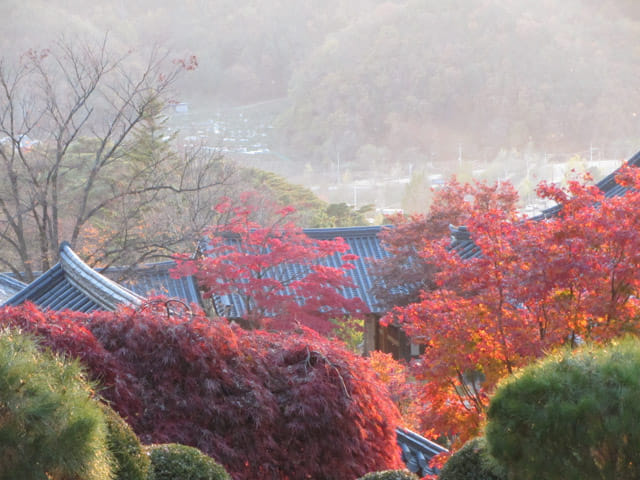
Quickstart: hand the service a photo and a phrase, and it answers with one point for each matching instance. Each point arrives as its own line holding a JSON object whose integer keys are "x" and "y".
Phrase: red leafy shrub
{"x": 263, "y": 405}
{"x": 67, "y": 334}
{"x": 325, "y": 392}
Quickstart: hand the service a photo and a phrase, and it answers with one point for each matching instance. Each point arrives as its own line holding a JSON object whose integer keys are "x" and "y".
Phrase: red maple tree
{"x": 395, "y": 375}
{"x": 537, "y": 285}
{"x": 276, "y": 276}
{"x": 405, "y": 273}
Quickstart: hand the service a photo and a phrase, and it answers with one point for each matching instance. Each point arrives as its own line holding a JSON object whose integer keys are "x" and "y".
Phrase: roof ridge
{"x": 9, "y": 280}
{"x": 417, "y": 451}
{"x": 88, "y": 280}
{"x": 332, "y": 232}
{"x": 351, "y": 228}
{"x": 609, "y": 181}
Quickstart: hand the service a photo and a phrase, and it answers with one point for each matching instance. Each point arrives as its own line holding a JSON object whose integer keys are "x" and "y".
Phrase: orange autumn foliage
{"x": 538, "y": 285}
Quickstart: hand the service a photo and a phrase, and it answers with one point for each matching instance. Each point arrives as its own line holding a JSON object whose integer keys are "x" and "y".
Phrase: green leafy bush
{"x": 390, "y": 475}
{"x": 172, "y": 461}
{"x": 472, "y": 462}
{"x": 51, "y": 427}
{"x": 130, "y": 460}
{"x": 574, "y": 415}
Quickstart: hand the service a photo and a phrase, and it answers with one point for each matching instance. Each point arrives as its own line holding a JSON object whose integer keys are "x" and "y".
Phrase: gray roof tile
{"x": 417, "y": 451}
{"x": 9, "y": 286}
{"x": 155, "y": 279}
{"x": 72, "y": 285}
{"x": 362, "y": 241}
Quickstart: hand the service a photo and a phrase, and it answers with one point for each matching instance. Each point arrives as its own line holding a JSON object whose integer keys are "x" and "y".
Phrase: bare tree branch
{"x": 74, "y": 124}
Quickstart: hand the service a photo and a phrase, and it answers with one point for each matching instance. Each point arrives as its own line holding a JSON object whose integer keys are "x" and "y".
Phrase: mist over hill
{"x": 366, "y": 86}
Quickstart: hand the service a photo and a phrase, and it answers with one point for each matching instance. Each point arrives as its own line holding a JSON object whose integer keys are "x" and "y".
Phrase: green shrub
{"x": 51, "y": 427}
{"x": 178, "y": 462}
{"x": 390, "y": 475}
{"x": 472, "y": 462}
{"x": 574, "y": 415}
{"x": 130, "y": 460}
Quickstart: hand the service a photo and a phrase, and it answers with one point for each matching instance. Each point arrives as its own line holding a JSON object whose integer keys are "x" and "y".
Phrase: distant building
{"x": 178, "y": 107}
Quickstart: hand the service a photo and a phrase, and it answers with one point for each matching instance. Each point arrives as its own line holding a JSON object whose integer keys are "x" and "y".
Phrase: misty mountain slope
{"x": 421, "y": 78}
{"x": 371, "y": 82}
{"x": 246, "y": 50}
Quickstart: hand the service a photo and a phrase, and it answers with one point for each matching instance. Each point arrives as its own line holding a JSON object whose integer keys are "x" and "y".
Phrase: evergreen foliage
{"x": 390, "y": 475}
{"x": 51, "y": 426}
{"x": 573, "y": 415}
{"x": 343, "y": 215}
{"x": 472, "y": 462}
{"x": 179, "y": 462}
{"x": 130, "y": 460}
{"x": 273, "y": 191}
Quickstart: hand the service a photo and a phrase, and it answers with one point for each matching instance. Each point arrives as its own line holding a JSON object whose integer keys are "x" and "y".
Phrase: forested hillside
{"x": 369, "y": 81}
{"x": 422, "y": 78}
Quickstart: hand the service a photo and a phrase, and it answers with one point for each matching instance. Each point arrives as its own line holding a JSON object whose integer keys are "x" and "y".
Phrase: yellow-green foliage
{"x": 130, "y": 462}
{"x": 51, "y": 426}
{"x": 173, "y": 461}
{"x": 390, "y": 475}
{"x": 472, "y": 462}
{"x": 573, "y": 415}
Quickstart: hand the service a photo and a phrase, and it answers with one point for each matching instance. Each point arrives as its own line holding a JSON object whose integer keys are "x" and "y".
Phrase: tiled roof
{"x": 72, "y": 285}
{"x": 154, "y": 279}
{"x": 417, "y": 451}
{"x": 608, "y": 184}
{"x": 362, "y": 241}
{"x": 462, "y": 242}
{"x": 9, "y": 286}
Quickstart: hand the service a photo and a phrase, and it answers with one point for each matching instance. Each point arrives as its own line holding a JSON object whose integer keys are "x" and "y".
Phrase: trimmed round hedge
{"x": 172, "y": 461}
{"x": 573, "y": 415}
{"x": 472, "y": 462}
{"x": 51, "y": 426}
{"x": 130, "y": 460}
{"x": 390, "y": 475}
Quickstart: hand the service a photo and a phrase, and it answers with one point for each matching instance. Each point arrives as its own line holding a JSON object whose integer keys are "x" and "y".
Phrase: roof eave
{"x": 97, "y": 287}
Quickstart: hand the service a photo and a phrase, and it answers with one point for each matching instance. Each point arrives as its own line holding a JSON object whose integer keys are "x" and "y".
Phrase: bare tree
{"x": 73, "y": 123}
